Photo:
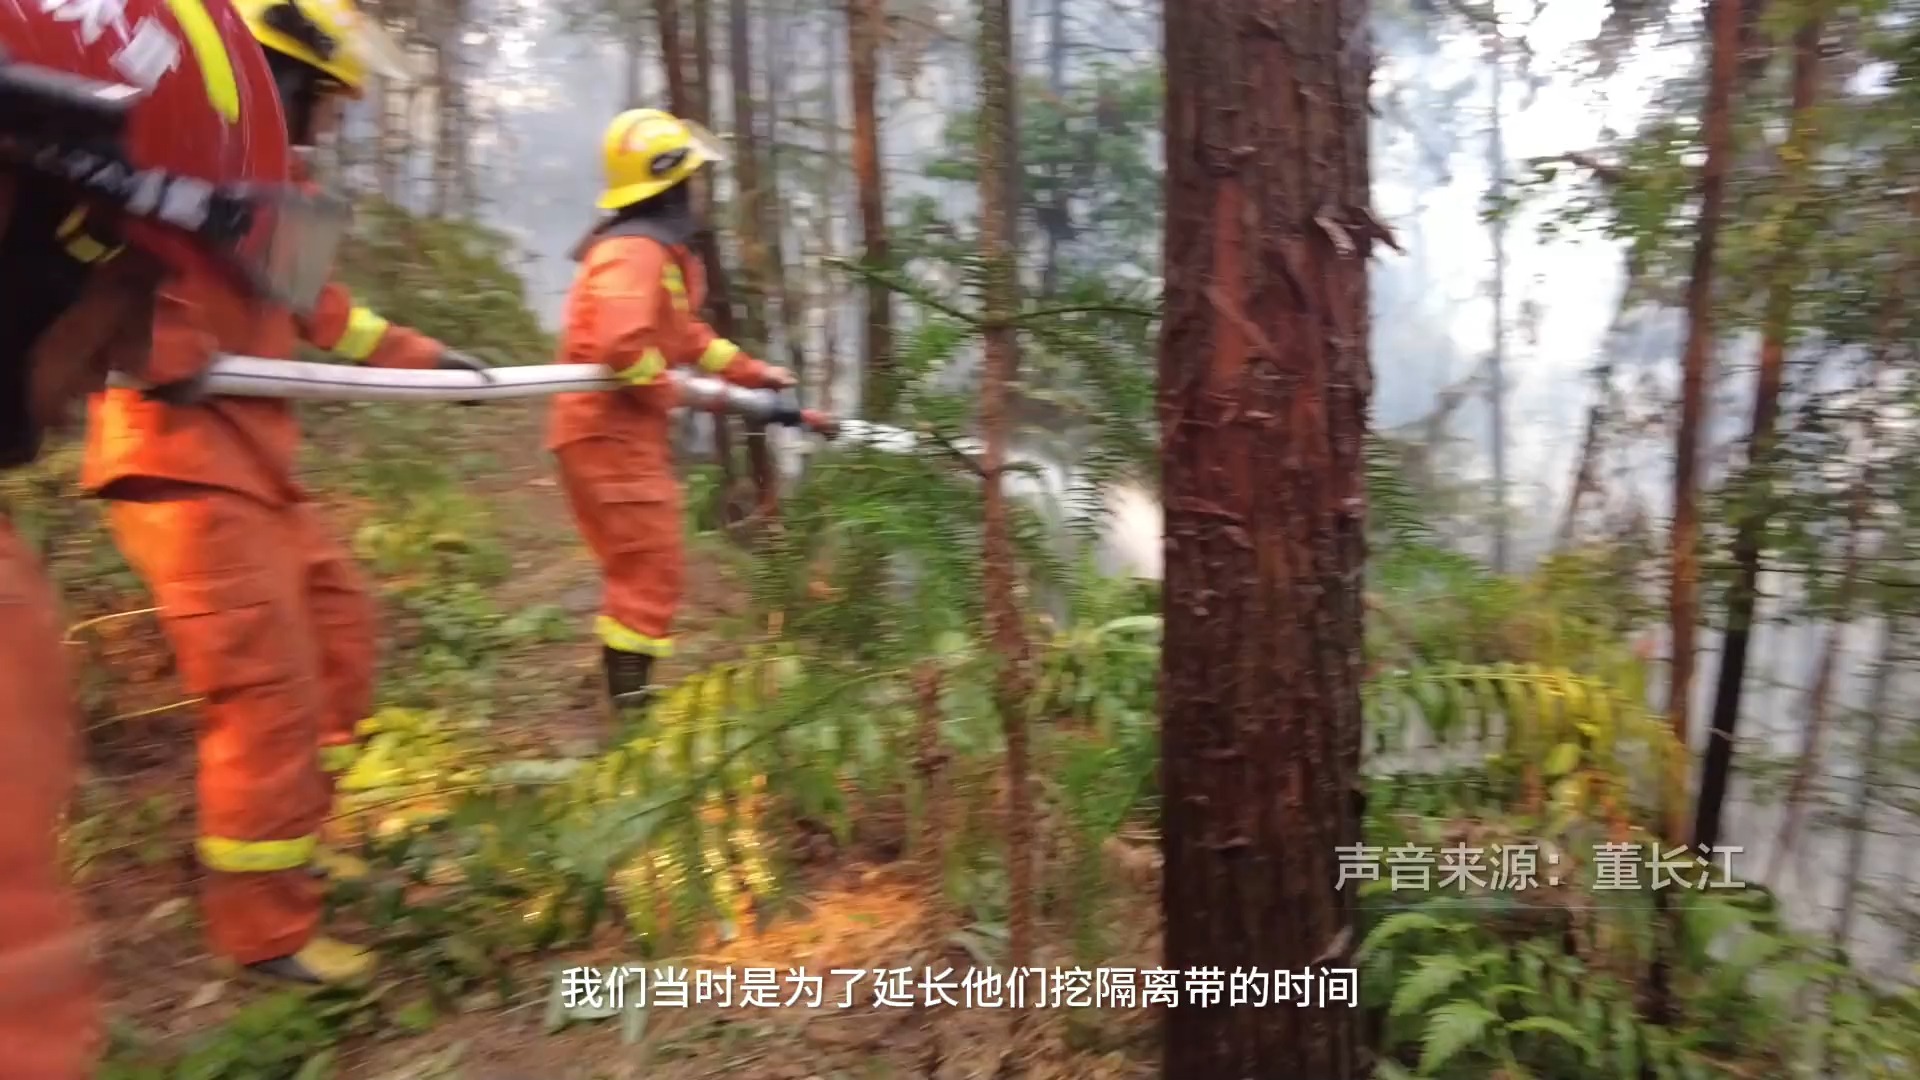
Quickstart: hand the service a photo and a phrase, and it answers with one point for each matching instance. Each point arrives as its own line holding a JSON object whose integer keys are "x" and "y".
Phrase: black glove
{"x": 191, "y": 390}
{"x": 455, "y": 360}
{"x": 786, "y": 409}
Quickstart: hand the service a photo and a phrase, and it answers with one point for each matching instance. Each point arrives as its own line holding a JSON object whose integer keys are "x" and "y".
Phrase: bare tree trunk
{"x": 719, "y": 287}
{"x": 1751, "y": 531}
{"x": 1497, "y": 362}
{"x": 750, "y": 228}
{"x": 1683, "y": 609}
{"x": 1860, "y": 814}
{"x": 997, "y": 136}
{"x": 866, "y": 24}
{"x": 387, "y": 165}
{"x": 1586, "y": 470}
{"x": 666, "y": 13}
{"x": 828, "y": 290}
{"x": 700, "y": 77}
{"x": 776, "y": 27}
{"x": 1264, "y": 390}
{"x": 1057, "y": 219}
{"x": 749, "y": 220}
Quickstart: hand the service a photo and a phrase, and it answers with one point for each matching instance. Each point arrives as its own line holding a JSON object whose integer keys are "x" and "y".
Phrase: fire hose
{"x": 294, "y": 380}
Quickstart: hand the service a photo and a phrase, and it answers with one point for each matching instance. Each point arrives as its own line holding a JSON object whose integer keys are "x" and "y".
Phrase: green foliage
{"x": 1461, "y": 1000}
{"x": 450, "y": 278}
{"x": 283, "y": 1036}
{"x": 1089, "y": 171}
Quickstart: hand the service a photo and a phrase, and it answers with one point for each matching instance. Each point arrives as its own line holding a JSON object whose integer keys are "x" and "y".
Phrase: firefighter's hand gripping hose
{"x": 292, "y": 380}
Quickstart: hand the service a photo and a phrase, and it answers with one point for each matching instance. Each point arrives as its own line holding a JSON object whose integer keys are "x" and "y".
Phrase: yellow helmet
{"x": 648, "y": 151}
{"x": 329, "y": 35}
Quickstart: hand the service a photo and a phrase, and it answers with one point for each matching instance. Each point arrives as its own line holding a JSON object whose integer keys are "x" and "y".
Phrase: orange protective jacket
{"x": 49, "y": 1010}
{"x": 632, "y": 308}
{"x": 244, "y": 445}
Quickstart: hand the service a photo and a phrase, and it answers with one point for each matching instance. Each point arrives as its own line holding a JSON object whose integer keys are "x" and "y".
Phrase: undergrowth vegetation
{"x": 856, "y": 715}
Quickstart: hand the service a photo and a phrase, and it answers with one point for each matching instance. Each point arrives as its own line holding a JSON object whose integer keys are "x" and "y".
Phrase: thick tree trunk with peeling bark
{"x": 997, "y": 139}
{"x": 1264, "y": 390}
{"x": 1683, "y": 604}
{"x": 1777, "y": 324}
{"x": 866, "y": 25}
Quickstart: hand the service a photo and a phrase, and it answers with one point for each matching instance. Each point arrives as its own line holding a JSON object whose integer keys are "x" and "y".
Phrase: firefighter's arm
{"x": 359, "y": 335}
{"x": 697, "y": 345}
{"x": 715, "y": 355}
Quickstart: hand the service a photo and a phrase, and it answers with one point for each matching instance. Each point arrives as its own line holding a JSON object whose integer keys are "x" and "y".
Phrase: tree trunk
{"x": 777, "y": 29}
{"x": 672, "y": 60}
{"x": 1586, "y": 469}
{"x": 866, "y": 23}
{"x": 750, "y": 229}
{"x": 1057, "y": 212}
{"x": 1263, "y": 397}
{"x": 719, "y": 287}
{"x": 700, "y": 78}
{"x": 1750, "y": 533}
{"x": 1497, "y": 362}
{"x": 1860, "y": 813}
{"x": 826, "y": 288}
{"x": 1683, "y": 605}
{"x": 997, "y": 137}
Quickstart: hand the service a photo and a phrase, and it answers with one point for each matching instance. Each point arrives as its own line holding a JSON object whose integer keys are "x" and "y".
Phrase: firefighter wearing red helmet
{"x": 138, "y": 138}
{"x": 270, "y": 621}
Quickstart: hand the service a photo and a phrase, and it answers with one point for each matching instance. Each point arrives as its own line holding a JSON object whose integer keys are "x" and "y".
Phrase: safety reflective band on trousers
{"x": 617, "y": 637}
{"x": 256, "y": 856}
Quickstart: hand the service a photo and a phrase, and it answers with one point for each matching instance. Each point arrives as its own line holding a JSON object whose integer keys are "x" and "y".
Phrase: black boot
{"x": 629, "y": 689}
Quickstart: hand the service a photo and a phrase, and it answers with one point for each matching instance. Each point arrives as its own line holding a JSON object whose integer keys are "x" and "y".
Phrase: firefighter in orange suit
{"x": 632, "y": 308}
{"x": 269, "y": 620}
{"x": 133, "y": 144}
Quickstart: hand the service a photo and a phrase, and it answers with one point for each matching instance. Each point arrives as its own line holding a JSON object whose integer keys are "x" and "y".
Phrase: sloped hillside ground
{"x": 487, "y": 597}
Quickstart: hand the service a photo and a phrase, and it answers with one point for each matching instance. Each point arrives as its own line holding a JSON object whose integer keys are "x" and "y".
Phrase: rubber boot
{"x": 629, "y": 685}
{"x": 321, "y": 962}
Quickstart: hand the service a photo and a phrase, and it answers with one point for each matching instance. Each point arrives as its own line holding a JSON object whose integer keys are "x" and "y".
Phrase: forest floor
{"x": 858, "y": 909}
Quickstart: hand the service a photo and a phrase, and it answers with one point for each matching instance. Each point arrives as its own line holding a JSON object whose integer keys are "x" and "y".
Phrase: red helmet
{"x": 165, "y": 112}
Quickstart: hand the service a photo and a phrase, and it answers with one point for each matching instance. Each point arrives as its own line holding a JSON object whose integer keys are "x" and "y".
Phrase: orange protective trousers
{"x": 632, "y": 525}
{"x": 49, "y": 1007}
{"x": 632, "y": 308}
{"x": 272, "y": 625}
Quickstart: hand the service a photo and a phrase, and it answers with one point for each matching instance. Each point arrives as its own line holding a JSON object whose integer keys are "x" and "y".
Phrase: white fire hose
{"x": 294, "y": 380}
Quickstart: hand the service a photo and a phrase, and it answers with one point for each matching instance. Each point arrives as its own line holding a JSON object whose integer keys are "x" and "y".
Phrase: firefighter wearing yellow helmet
{"x": 634, "y": 307}
{"x": 321, "y": 51}
{"x": 646, "y": 152}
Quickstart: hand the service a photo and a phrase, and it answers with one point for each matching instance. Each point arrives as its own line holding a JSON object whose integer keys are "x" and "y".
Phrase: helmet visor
{"x": 703, "y": 142}
{"x": 287, "y": 246}
{"x": 279, "y": 239}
